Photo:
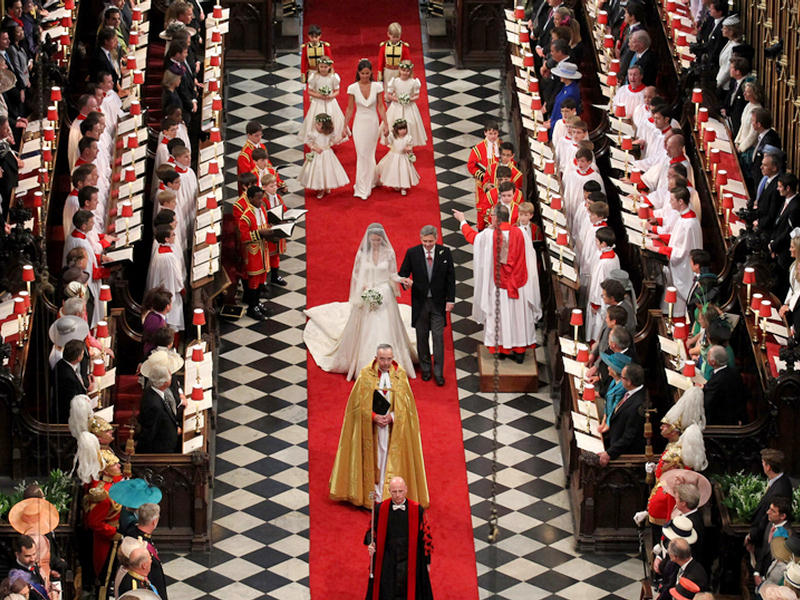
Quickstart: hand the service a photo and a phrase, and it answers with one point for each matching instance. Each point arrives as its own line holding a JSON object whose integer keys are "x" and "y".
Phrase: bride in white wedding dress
{"x": 343, "y": 336}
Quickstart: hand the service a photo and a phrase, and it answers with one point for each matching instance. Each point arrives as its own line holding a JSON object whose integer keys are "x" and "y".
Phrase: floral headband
{"x": 324, "y": 60}
{"x": 322, "y": 118}
{"x": 403, "y": 123}
{"x": 406, "y": 64}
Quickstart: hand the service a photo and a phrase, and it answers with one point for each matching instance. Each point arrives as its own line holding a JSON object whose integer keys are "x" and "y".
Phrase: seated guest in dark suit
{"x": 105, "y": 58}
{"x": 767, "y": 201}
{"x": 624, "y": 434}
{"x": 70, "y": 378}
{"x": 778, "y": 486}
{"x": 159, "y": 421}
{"x": 734, "y": 102}
{"x": 788, "y": 218}
{"x": 642, "y": 55}
{"x": 761, "y": 120}
{"x": 724, "y": 394}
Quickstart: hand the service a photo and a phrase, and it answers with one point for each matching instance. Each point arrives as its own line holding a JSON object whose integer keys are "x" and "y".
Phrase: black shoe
{"x": 439, "y": 380}
{"x": 425, "y": 376}
{"x": 264, "y": 309}
{"x": 254, "y": 313}
{"x": 501, "y": 355}
{"x": 278, "y": 280}
{"x": 519, "y": 357}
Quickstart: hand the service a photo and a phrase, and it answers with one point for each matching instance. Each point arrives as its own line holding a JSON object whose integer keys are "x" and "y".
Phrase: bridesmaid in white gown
{"x": 365, "y": 98}
{"x": 343, "y": 336}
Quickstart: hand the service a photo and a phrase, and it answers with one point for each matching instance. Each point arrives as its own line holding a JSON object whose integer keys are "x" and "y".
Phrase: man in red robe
{"x": 401, "y": 548}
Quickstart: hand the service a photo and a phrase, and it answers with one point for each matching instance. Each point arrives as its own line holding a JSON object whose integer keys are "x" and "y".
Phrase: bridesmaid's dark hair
{"x": 364, "y": 64}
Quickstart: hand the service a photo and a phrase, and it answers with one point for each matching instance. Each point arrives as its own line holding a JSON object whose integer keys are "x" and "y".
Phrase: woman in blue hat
{"x": 615, "y": 362}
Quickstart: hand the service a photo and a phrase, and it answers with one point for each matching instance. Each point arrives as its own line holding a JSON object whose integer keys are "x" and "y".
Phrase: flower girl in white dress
{"x": 396, "y": 169}
{"x": 322, "y": 171}
{"x": 402, "y": 92}
{"x": 323, "y": 87}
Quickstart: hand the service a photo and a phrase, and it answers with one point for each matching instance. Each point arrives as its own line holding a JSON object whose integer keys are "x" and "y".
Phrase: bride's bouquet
{"x": 404, "y": 99}
{"x": 372, "y": 298}
{"x": 325, "y": 90}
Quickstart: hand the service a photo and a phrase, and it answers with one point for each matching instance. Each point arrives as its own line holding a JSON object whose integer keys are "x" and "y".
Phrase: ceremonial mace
{"x": 372, "y": 535}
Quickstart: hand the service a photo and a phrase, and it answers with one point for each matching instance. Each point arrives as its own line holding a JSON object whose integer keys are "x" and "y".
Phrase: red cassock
{"x": 480, "y": 159}
{"x": 254, "y": 250}
{"x": 487, "y": 203}
{"x": 308, "y": 57}
{"x": 491, "y": 174}
{"x": 420, "y": 546}
{"x": 102, "y": 518}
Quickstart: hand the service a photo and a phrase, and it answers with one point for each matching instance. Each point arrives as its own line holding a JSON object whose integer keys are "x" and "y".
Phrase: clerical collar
{"x": 636, "y": 90}
{"x": 677, "y": 159}
{"x": 687, "y": 214}
{"x": 181, "y": 170}
{"x": 164, "y": 249}
{"x": 78, "y": 234}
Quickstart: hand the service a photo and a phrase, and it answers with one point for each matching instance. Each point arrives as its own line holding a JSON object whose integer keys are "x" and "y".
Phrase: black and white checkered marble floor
{"x": 260, "y": 512}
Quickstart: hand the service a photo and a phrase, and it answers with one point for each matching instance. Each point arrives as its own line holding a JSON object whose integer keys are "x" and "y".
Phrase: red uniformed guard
{"x": 483, "y": 156}
{"x": 254, "y": 233}
{"x": 391, "y": 53}
{"x": 313, "y": 49}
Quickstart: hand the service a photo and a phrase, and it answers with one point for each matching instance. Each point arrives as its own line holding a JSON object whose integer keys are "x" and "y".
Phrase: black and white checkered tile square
{"x": 260, "y": 517}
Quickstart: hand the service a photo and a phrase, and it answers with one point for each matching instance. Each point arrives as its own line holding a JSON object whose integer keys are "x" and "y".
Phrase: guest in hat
{"x": 686, "y": 589}
{"x": 732, "y": 32}
{"x": 780, "y": 558}
{"x": 69, "y": 327}
{"x": 35, "y": 518}
{"x": 569, "y": 75}
{"x": 791, "y": 578}
{"x": 17, "y": 586}
{"x": 680, "y": 563}
{"x": 615, "y": 363}
{"x": 131, "y": 495}
{"x": 776, "y": 592}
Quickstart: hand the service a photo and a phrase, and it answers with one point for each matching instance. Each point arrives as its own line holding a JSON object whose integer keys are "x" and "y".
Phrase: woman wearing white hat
{"x": 569, "y": 75}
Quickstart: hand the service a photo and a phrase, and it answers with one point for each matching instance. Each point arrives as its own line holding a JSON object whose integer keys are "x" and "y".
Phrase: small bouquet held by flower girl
{"x": 372, "y": 298}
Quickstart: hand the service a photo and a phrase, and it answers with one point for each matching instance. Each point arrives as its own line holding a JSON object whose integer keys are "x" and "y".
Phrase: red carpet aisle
{"x": 335, "y": 224}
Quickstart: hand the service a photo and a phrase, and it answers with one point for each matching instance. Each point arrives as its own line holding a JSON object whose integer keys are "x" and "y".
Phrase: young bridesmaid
{"x": 323, "y": 87}
{"x": 322, "y": 171}
{"x": 396, "y": 169}
{"x": 403, "y": 92}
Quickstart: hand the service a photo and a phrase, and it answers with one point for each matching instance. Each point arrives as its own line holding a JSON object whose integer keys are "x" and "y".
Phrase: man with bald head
{"x": 401, "y": 540}
{"x": 136, "y": 578}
